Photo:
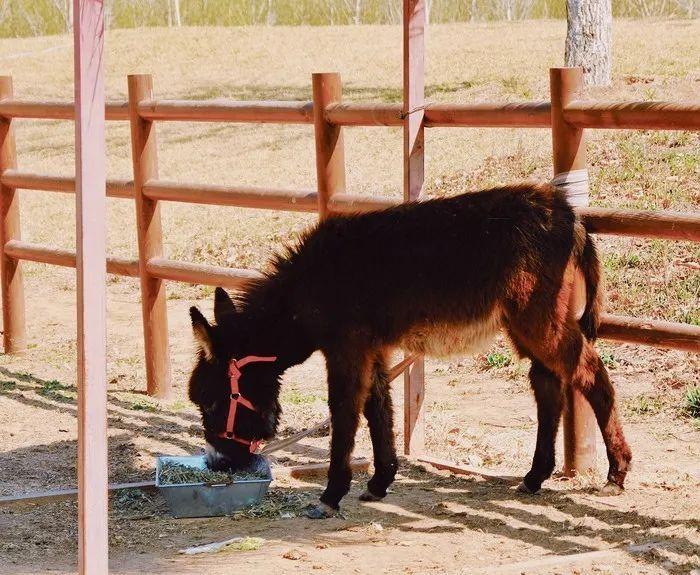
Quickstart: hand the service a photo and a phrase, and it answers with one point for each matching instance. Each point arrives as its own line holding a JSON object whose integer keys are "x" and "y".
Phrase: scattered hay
{"x": 137, "y": 503}
{"x": 235, "y": 544}
{"x": 278, "y": 504}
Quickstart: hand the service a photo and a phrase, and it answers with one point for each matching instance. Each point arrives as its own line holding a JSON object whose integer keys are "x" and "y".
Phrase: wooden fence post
{"x": 414, "y": 21}
{"x": 569, "y": 154}
{"x": 14, "y": 331}
{"x": 91, "y": 239}
{"x": 330, "y": 151}
{"x": 150, "y": 240}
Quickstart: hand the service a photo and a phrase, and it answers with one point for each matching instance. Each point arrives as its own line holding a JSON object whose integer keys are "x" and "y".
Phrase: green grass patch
{"x": 498, "y": 359}
{"x": 517, "y": 86}
{"x": 143, "y": 405}
{"x": 644, "y": 405}
{"x": 296, "y": 397}
{"x": 691, "y": 402}
{"x": 7, "y": 385}
{"x": 57, "y": 391}
{"x": 179, "y": 405}
{"x": 608, "y": 358}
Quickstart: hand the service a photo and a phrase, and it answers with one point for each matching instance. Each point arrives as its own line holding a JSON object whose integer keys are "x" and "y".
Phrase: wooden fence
{"x": 566, "y": 116}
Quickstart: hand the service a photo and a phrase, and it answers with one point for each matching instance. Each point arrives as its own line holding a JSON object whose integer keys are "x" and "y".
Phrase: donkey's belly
{"x": 444, "y": 340}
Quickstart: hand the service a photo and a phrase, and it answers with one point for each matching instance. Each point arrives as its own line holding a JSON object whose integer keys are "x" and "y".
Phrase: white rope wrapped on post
{"x": 575, "y": 185}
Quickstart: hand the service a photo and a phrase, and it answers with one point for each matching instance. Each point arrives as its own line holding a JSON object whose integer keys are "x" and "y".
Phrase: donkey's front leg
{"x": 348, "y": 385}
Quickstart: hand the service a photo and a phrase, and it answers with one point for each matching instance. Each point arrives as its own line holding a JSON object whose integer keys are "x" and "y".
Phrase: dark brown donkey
{"x": 438, "y": 277}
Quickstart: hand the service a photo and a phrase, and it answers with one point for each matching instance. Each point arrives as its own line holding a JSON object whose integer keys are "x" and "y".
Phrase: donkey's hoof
{"x": 319, "y": 511}
{"x": 611, "y": 489}
{"x": 523, "y": 488}
{"x": 367, "y": 495}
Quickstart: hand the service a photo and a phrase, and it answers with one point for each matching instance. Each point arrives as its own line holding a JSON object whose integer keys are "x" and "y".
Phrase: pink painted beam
{"x": 413, "y": 170}
{"x": 90, "y": 188}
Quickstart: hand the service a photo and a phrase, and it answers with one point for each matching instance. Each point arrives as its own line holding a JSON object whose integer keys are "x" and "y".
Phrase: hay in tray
{"x": 172, "y": 473}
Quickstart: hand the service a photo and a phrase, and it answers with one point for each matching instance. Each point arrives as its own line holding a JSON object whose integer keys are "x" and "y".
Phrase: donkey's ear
{"x": 223, "y": 306}
{"x": 202, "y": 333}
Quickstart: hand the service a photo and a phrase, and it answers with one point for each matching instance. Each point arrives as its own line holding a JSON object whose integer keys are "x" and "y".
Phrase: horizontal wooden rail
{"x": 62, "y": 257}
{"x": 245, "y": 197}
{"x": 581, "y": 113}
{"x": 227, "y": 111}
{"x": 661, "y": 225}
{"x": 353, "y": 203}
{"x": 621, "y": 328}
{"x": 56, "y": 110}
{"x": 27, "y": 181}
{"x": 200, "y": 273}
{"x": 657, "y": 333}
{"x": 634, "y": 115}
{"x": 515, "y": 115}
{"x": 348, "y": 114}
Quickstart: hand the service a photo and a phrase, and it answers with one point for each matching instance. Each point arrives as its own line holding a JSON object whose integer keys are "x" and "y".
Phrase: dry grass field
{"x": 480, "y": 411}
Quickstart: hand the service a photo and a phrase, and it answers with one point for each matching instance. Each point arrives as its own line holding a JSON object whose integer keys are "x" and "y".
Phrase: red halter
{"x": 234, "y": 372}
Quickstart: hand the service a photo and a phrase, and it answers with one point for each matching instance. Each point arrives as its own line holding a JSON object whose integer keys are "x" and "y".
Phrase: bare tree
{"x": 176, "y": 12}
{"x": 509, "y": 9}
{"x": 4, "y": 6}
{"x": 354, "y": 8}
{"x": 687, "y": 7}
{"x": 393, "y": 10}
{"x": 271, "y": 14}
{"x": 65, "y": 9}
{"x": 589, "y": 39}
{"x": 647, "y": 8}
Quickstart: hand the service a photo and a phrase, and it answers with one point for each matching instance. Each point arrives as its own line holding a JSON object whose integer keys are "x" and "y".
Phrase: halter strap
{"x": 234, "y": 373}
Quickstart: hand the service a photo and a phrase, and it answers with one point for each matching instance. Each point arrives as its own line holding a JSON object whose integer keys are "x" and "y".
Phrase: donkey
{"x": 435, "y": 278}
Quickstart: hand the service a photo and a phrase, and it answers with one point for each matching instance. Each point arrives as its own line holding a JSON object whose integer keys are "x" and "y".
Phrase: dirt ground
{"x": 479, "y": 410}
{"x": 431, "y": 522}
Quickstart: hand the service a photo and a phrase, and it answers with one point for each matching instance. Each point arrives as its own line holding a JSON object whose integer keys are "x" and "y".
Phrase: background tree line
{"x": 40, "y": 17}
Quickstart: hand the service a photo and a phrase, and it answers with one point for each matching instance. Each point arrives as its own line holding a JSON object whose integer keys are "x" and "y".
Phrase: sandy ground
{"x": 480, "y": 411}
{"x": 431, "y": 522}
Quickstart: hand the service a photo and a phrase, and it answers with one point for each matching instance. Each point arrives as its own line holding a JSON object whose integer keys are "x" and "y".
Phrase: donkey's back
{"x": 436, "y": 277}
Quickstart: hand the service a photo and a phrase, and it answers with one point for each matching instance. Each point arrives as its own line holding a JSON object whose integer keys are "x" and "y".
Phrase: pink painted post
{"x": 90, "y": 186}
{"x": 413, "y": 174}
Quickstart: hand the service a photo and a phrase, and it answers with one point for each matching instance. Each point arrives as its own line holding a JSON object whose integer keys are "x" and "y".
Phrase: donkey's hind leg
{"x": 380, "y": 418}
{"x": 548, "y": 396}
{"x": 566, "y": 352}
{"x": 591, "y": 377}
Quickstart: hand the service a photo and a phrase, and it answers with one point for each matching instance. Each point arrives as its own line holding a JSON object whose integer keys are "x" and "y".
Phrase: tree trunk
{"x": 176, "y": 4}
{"x": 69, "y": 16}
{"x": 589, "y": 39}
{"x": 271, "y": 16}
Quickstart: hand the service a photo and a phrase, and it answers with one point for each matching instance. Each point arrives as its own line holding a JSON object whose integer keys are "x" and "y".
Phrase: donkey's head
{"x": 235, "y": 384}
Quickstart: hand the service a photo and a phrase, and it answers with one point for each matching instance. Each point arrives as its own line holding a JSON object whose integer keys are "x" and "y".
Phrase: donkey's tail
{"x": 588, "y": 263}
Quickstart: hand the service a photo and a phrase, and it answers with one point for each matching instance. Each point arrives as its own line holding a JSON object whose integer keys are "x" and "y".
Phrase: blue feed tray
{"x": 204, "y": 500}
